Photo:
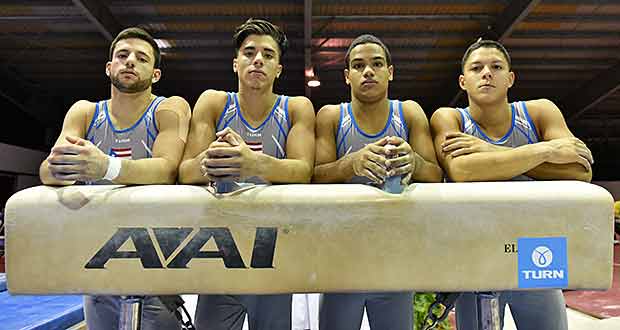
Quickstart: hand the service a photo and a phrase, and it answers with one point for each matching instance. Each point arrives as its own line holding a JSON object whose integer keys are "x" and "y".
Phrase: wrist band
{"x": 114, "y": 168}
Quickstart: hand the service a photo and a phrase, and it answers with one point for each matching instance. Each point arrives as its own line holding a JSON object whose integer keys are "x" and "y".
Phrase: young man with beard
{"x": 251, "y": 136}
{"x": 494, "y": 140}
{"x": 135, "y": 137}
{"x": 369, "y": 140}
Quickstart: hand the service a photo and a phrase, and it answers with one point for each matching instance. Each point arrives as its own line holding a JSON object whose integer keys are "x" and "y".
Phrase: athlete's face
{"x": 258, "y": 61}
{"x": 486, "y": 76}
{"x": 368, "y": 73}
{"x": 131, "y": 69}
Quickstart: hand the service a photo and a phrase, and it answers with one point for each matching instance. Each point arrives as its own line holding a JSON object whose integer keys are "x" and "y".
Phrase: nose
{"x": 368, "y": 71}
{"x": 486, "y": 72}
{"x": 131, "y": 59}
{"x": 258, "y": 59}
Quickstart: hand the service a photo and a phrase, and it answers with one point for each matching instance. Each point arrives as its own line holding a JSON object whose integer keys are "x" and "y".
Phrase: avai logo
{"x": 542, "y": 257}
{"x": 542, "y": 262}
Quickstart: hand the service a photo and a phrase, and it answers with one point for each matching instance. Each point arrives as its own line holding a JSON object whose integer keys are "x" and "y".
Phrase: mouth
{"x": 130, "y": 73}
{"x": 486, "y": 86}
{"x": 369, "y": 83}
{"x": 259, "y": 72}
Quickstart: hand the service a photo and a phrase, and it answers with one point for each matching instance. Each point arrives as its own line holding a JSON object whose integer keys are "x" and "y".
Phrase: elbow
{"x": 585, "y": 176}
{"x": 307, "y": 174}
{"x": 183, "y": 179}
{"x": 170, "y": 175}
{"x": 184, "y": 174}
{"x": 457, "y": 174}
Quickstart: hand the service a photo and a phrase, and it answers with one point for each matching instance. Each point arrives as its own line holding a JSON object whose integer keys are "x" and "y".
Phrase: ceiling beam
{"x": 400, "y": 18}
{"x": 510, "y": 17}
{"x": 591, "y": 93}
{"x": 100, "y": 15}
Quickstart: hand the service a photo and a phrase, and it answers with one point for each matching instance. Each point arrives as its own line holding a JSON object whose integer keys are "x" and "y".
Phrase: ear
{"x": 107, "y": 68}
{"x": 462, "y": 82}
{"x": 278, "y": 70}
{"x": 391, "y": 71}
{"x": 346, "y": 77}
{"x": 511, "y": 78}
{"x": 156, "y": 75}
{"x": 235, "y": 65}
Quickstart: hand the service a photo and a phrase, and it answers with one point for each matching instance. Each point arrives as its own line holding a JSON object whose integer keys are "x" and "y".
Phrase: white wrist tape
{"x": 114, "y": 168}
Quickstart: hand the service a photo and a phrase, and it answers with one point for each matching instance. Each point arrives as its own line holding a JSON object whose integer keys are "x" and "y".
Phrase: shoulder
{"x": 210, "y": 104}
{"x": 541, "y": 109}
{"x": 83, "y": 109}
{"x": 445, "y": 113}
{"x": 445, "y": 116}
{"x": 300, "y": 107}
{"x": 412, "y": 110}
{"x": 175, "y": 103}
{"x": 328, "y": 116}
{"x": 300, "y": 103}
{"x": 213, "y": 97}
{"x": 540, "y": 105}
{"x": 544, "y": 113}
{"x": 83, "y": 106}
{"x": 329, "y": 112}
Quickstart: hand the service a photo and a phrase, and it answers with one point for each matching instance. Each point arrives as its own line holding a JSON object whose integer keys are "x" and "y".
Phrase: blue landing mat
{"x": 39, "y": 312}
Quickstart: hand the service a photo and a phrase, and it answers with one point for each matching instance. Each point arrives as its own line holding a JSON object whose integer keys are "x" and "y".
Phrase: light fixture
{"x": 314, "y": 82}
{"x": 163, "y": 43}
{"x": 312, "y": 78}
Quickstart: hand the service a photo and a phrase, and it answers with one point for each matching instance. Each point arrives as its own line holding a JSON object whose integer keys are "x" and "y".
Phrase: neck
{"x": 369, "y": 109}
{"x": 490, "y": 114}
{"x": 126, "y": 106}
{"x": 256, "y": 103}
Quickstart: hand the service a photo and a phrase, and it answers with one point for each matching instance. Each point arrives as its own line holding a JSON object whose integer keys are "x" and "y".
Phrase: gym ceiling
{"x": 53, "y": 52}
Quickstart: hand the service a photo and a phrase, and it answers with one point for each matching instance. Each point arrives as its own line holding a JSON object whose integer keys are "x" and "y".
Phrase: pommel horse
{"x": 446, "y": 237}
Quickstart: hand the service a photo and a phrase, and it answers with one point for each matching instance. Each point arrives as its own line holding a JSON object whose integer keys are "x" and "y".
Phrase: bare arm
{"x": 201, "y": 134}
{"x": 300, "y": 144}
{"x": 328, "y": 168}
{"x": 235, "y": 159}
{"x": 74, "y": 125}
{"x": 424, "y": 160}
{"x": 553, "y": 126}
{"x": 84, "y": 161}
{"x": 368, "y": 161}
{"x": 467, "y": 158}
{"x": 503, "y": 164}
{"x": 172, "y": 116}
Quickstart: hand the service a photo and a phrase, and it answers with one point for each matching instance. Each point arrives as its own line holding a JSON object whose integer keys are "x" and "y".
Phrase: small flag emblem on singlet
{"x": 255, "y": 145}
{"x": 121, "y": 152}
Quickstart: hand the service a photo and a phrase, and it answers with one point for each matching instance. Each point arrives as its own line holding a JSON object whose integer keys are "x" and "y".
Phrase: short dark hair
{"x": 368, "y": 39}
{"x": 260, "y": 27}
{"x": 137, "y": 33}
{"x": 485, "y": 44}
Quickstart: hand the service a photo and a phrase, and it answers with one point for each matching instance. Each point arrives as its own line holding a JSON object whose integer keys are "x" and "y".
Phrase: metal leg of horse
{"x": 131, "y": 313}
{"x": 488, "y": 311}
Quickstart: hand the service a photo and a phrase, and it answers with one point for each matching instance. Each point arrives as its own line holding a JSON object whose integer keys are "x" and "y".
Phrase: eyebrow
{"x": 494, "y": 62}
{"x": 254, "y": 48}
{"x": 139, "y": 52}
{"x": 372, "y": 59}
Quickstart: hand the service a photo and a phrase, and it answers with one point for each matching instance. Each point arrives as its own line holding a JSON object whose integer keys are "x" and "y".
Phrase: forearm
{"x": 189, "y": 172}
{"x": 338, "y": 171}
{"x": 549, "y": 171}
{"x": 147, "y": 171}
{"x": 48, "y": 179}
{"x": 497, "y": 165}
{"x": 426, "y": 171}
{"x": 276, "y": 170}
